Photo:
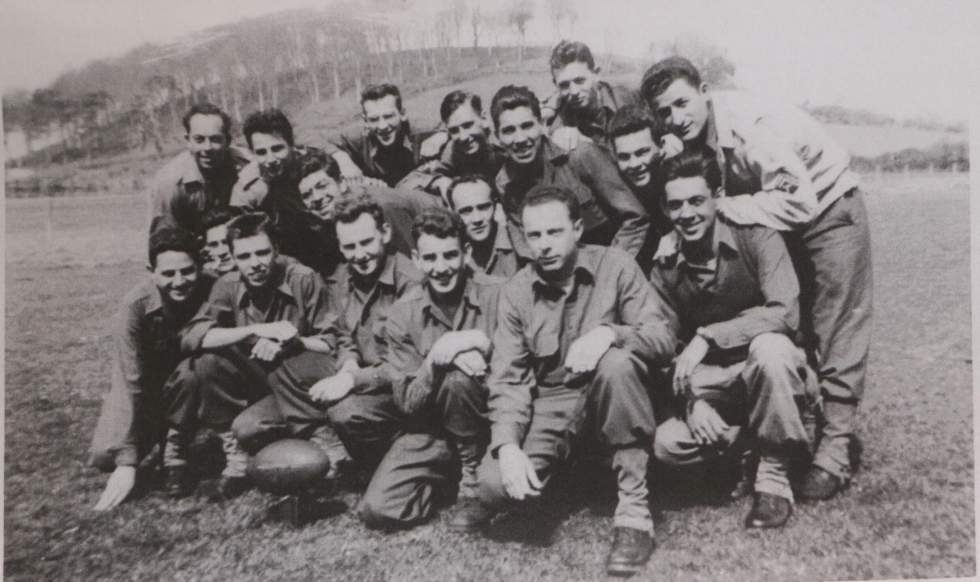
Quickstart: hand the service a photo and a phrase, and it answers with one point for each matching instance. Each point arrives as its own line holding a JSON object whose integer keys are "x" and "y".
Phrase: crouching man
{"x": 578, "y": 330}
{"x": 265, "y": 328}
{"x": 438, "y": 339}
{"x": 732, "y": 295}
{"x": 145, "y": 401}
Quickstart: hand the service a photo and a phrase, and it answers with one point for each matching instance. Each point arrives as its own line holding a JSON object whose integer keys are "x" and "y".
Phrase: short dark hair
{"x": 456, "y": 99}
{"x": 511, "y": 97}
{"x": 691, "y": 164}
{"x": 380, "y": 91}
{"x": 468, "y": 179}
{"x": 270, "y": 122}
{"x": 569, "y": 51}
{"x": 438, "y": 222}
{"x": 661, "y": 74}
{"x": 249, "y": 225}
{"x": 173, "y": 238}
{"x": 218, "y": 216}
{"x": 635, "y": 117}
{"x": 315, "y": 160}
{"x": 543, "y": 193}
{"x": 350, "y": 208}
{"x": 206, "y": 108}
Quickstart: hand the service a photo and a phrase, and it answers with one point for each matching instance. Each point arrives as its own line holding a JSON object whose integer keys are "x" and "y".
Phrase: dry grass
{"x": 909, "y": 514}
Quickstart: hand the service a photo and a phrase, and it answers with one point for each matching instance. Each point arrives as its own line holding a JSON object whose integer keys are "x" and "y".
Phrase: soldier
{"x": 266, "y": 328}
{"x": 489, "y": 245}
{"x": 578, "y": 331}
{"x": 470, "y": 150}
{"x": 639, "y": 144}
{"x": 438, "y": 338}
{"x": 611, "y": 213}
{"x": 780, "y": 169}
{"x": 386, "y": 148}
{"x": 584, "y": 102}
{"x": 731, "y": 295}
{"x": 147, "y": 398}
{"x": 200, "y": 178}
{"x": 216, "y": 254}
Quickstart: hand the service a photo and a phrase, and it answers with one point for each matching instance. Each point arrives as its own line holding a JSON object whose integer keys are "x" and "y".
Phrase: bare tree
{"x": 520, "y": 13}
{"x": 560, "y": 11}
{"x": 476, "y": 22}
{"x": 712, "y": 61}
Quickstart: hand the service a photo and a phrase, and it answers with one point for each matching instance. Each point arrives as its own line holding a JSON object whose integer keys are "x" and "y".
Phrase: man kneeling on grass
{"x": 732, "y": 294}
{"x": 266, "y": 327}
{"x": 148, "y": 377}
{"x": 578, "y": 330}
{"x": 438, "y": 337}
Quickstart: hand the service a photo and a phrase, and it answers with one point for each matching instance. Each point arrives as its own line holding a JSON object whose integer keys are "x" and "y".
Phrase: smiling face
{"x": 207, "y": 141}
{"x": 635, "y": 155}
{"x": 319, "y": 193}
{"x": 552, "y": 236}
{"x": 475, "y": 206}
{"x": 362, "y": 243}
{"x": 254, "y": 257}
{"x": 520, "y": 132}
{"x": 175, "y": 276}
{"x": 272, "y": 153}
{"x": 383, "y": 120}
{"x": 577, "y": 85}
{"x": 466, "y": 130}
{"x": 441, "y": 261}
{"x": 217, "y": 251}
{"x": 691, "y": 207}
{"x": 684, "y": 108}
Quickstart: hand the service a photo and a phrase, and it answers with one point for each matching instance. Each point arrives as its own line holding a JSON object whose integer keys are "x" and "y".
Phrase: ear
{"x": 149, "y": 267}
{"x": 578, "y": 227}
{"x": 703, "y": 89}
{"x": 386, "y": 233}
{"x": 417, "y": 259}
{"x": 187, "y": 137}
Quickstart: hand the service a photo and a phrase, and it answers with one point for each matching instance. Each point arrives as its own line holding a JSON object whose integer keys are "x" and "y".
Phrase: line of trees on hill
{"x": 290, "y": 58}
{"x": 848, "y": 116}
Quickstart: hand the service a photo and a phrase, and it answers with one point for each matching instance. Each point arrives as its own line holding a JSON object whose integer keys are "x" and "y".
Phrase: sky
{"x": 899, "y": 57}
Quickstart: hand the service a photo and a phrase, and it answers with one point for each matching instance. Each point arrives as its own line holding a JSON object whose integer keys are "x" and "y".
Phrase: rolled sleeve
{"x": 511, "y": 378}
{"x": 217, "y": 311}
{"x": 787, "y": 199}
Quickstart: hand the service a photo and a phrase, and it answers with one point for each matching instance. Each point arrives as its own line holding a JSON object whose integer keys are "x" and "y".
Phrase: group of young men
{"x": 665, "y": 273}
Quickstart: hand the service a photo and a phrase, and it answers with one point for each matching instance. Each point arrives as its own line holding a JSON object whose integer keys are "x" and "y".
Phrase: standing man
{"x": 578, "y": 331}
{"x": 385, "y": 149}
{"x": 266, "y": 327}
{"x": 638, "y": 145}
{"x": 584, "y": 102}
{"x": 200, "y": 178}
{"x": 469, "y": 151}
{"x": 438, "y": 338}
{"x": 732, "y": 297}
{"x": 147, "y": 399}
{"x": 611, "y": 214}
{"x": 780, "y": 169}
{"x": 489, "y": 244}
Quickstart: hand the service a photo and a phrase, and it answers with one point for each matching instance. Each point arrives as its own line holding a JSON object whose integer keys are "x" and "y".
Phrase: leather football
{"x": 287, "y": 466}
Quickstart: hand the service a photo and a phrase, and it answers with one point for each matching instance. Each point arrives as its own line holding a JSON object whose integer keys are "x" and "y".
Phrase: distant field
{"x": 909, "y": 513}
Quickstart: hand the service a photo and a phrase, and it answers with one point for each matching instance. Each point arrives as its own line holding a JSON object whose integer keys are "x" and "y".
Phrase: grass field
{"x": 910, "y": 512}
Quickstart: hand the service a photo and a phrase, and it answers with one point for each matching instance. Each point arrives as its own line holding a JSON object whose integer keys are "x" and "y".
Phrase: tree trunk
{"x": 315, "y": 97}
{"x": 261, "y": 95}
{"x": 335, "y": 68}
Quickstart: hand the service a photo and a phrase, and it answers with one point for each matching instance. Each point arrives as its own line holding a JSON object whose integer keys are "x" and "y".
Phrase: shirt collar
{"x": 501, "y": 241}
{"x": 586, "y": 266}
{"x": 670, "y": 244}
{"x": 189, "y": 170}
{"x": 373, "y": 147}
{"x": 154, "y": 301}
{"x": 470, "y": 300}
{"x": 387, "y": 276}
